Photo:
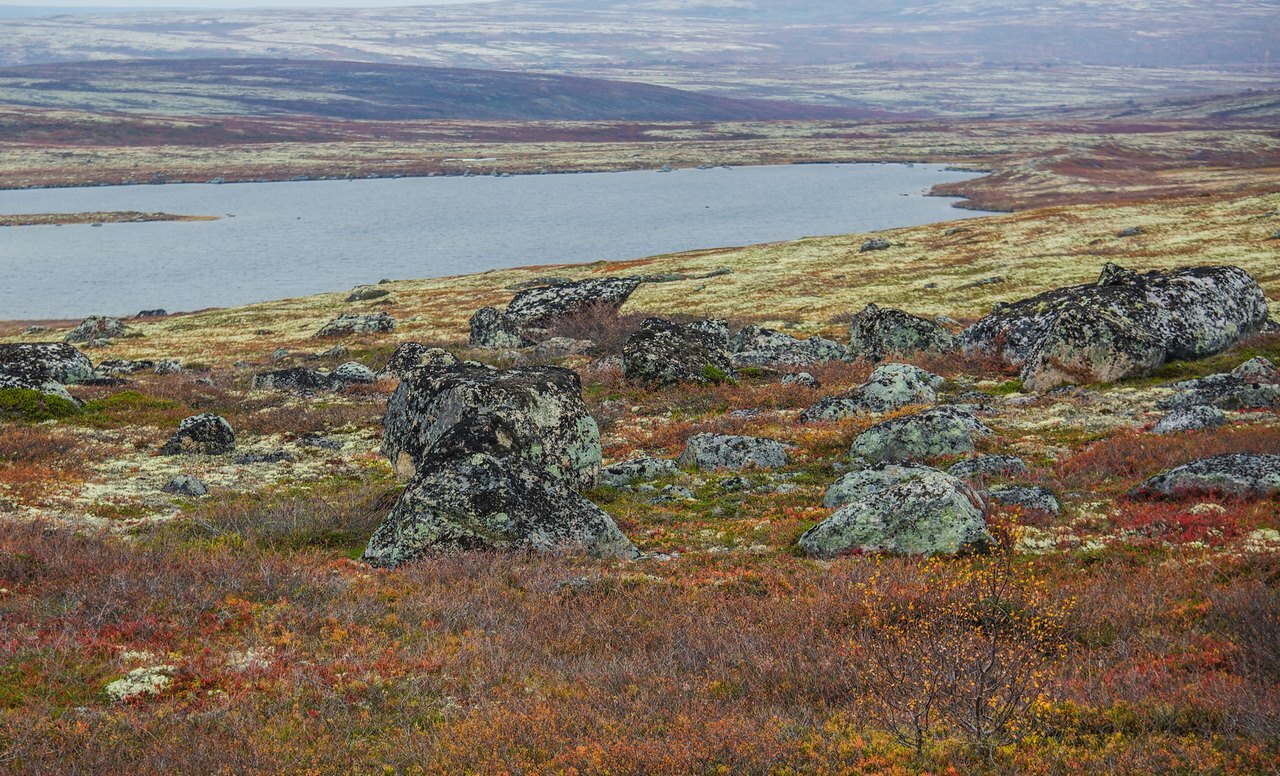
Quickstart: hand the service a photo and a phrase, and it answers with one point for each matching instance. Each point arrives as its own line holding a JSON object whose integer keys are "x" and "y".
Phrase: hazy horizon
{"x": 225, "y": 4}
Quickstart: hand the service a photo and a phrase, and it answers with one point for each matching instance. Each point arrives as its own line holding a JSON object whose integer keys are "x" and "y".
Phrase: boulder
{"x": 1030, "y": 498}
{"x": 801, "y": 378}
{"x": 37, "y": 365}
{"x": 476, "y": 501}
{"x": 186, "y": 485}
{"x": 367, "y": 293}
{"x": 923, "y": 436}
{"x": 206, "y": 433}
{"x": 413, "y": 355}
{"x": 350, "y": 324}
{"x": 1257, "y": 370}
{"x": 758, "y": 346}
{"x": 349, "y": 374}
{"x": 890, "y": 387}
{"x": 274, "y": 456}
{"x": 621, "y": 474}
{"x": 1239, "y": 475}
{"x": 531, "y": 413}
{"x": 532, "y": 313}
{"x": 1125, "y": 325}
{"x": 1190, "y": 418}
{"x": 1225, "y": 391}
{"x": 292, "y": 379}
{"x": 831, "y": 408}
{"x": 874, "y": 244}
{"x": 910, "y": 510}
{"x": 722, "y": 451}
{"x": 984, "y": 466}
{"x": 169, "y": 367}
{"x": 158, "y": 312}
{"x": 664, "y": 353}
{"x": 124, "y": 366}
{"x": 876, "y": 333}
{"x": 97, "y": 327}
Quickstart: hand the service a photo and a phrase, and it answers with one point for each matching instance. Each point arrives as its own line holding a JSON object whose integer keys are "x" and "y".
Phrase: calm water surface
{"x": 278, "y": 240}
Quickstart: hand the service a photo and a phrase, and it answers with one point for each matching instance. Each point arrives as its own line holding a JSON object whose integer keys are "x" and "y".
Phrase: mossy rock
{"x": 34, "y": 406}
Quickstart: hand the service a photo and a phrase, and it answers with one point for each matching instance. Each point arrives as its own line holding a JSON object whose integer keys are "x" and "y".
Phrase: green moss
{"x": 132, "y": 408}
{"x": 34, "y": 406}
{"x": 714, "y": 374}
{"x": 1007, "y": 388}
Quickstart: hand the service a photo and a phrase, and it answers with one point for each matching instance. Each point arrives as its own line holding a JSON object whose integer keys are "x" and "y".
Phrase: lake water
{"x": 298, "y": 238}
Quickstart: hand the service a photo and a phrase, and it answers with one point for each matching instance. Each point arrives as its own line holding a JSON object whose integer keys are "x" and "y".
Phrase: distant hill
{"x": 357, "y": 90}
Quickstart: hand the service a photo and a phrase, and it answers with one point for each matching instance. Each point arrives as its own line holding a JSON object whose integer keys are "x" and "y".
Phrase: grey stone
{"x": 186, "y": 485}
{"x": 1257, "y": 370}
{"x": 37, "y": 365}
{"x": 923, "y": 436}
{"x": 722, "y": 451}
{"x": 1031, "y": 498}
{"x": 350, "y": 324}
{"x": 1240, "y": 475}
{"x": 637, "y": 469}
{"x": 560, "y": 347}
{"x": 535, "y": 311}
{"x": 367, "y": 293}
{"x": 275, "y": 456}
{"x": 874, "y": 244}
{"x": 1190, "y": 419}
{"x": 758, "y": 346}
{"x": 414, "y": 355}
{"x": 1125, "y": 325}
{"x": 983, "y": 466}
{"x": 664, "y": 353}
{"x": 97, "y": 327}
{"x": 801, "y": 378}
{"x": 875, "y": 333}
{"x": 911, "y": 510}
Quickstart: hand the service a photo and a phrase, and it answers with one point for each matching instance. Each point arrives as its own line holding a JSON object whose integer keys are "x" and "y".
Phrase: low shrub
{"x": 33, "y": 406}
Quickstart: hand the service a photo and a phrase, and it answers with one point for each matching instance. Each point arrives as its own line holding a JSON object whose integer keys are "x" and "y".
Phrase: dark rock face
{"x": 156, "y": 313}
{"x": 350, "y": 324}
{"x": 205, "y": 433}
{"x": 1125, "y": 325}
{"x": 875, "y": 333}
{"x": 36, "y": 365}
{"x": 664, "y": 353}
{"x": 96, "y": 327}
{"x": 533, "y": 311}
{"x": 1241, "y": 475}
{"x": 721, "y": 451}
{"x": 983, "y": 466}
{"x": 123, "y": 366}
{"x": 479, "y": 501}
{"x": 186, "y": 485}
{"x": 758, "y": 346}
{"x": 1190, "y": 418}
{"x": 1030, "y": 498}
{"x": 935, "y": 433}
{"x": 412, "y": 355}
{"x": 532, "y": 413}
{"x": 910, "y": 510}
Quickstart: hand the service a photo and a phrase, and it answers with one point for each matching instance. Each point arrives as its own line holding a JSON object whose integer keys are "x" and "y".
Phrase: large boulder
{"x": 723, "y": 451}
{"x": 1125, "y": 325}
{"x": 37, "y": 366}
{"x": 350, "y": 324}
{"x": 910, "y": 510}
{"x": 923, "y": 436}
{"x": 97, "y": 327}
{"x": 478, "y": 501}
{"x": 534, "y": 312}
{"x": 757, "y": 346}
{"x": 890, "y": 387}
{"x": 1240, "y": 475}
{"x": 663, "y": 353}
{"x": 531, "y": 413}
{"x": 876, "y": 333}
{"x": 206, "y": 433}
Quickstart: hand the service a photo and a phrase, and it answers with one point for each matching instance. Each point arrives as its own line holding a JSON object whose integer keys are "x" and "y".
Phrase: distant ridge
{"x": 366, "y": 91}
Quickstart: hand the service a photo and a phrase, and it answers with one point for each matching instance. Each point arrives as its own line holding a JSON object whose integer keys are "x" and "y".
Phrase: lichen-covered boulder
{"x": 491, "y": 329}
{"x": 532, "y": 413}
{"x": 724, "y": 451}
{"x": 1258, "y": 370}
{"x": 664, "y": 353}
{"x": 831, "y": 408}
{"x": 624, "y": 473}
{"x": 890, "y": 387}
{"x": 1225, "y": 391}
{"x": 186, "y": 485}
{"x": 349, "y": 374}
{"x": 534, "y": 312}
{"x": 801, "y": 378}
{"x": 292, "y": 379}
{"x": 1240, "y": 475}
{"x": 43, "y": 366}
{"x": 910, "y": 510}
{"x": 758, "y": 346}
{"x": 1029, "y": 497}
{"x": 983, "y": 466}
{"x": 1190, "y": 418}
{"x": 481, "y": 502}
{"x": 923, "y": 436}
{"x": 350, "y": 324}
{"x": 875, "y": 333}
{"x": 367, "y": 293}
{"x": 97, "y": 327}
{"x": 206, "y": 433}
{"x": 1125, "y": 325}
{"x": 414, "y": 355}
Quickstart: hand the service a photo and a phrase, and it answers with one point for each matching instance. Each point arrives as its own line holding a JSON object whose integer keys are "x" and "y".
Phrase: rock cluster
{"x": 533, "y": 312}
{"x": 1125, "y": 325}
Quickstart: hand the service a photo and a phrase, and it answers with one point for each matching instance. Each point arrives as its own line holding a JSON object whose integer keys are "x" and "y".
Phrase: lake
{"x": 277, "y": 240}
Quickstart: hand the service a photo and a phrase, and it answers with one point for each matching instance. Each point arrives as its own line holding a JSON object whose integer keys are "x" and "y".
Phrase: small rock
{"x": 186, "y": 485}
{"x": 206, "y": 433}
{"x": 983, "y": 466}
{"x": 1190, "y": 419}
{"x": 637, "y": 469}
{"x": 801, "y": 378}
{"x": 1239, "y": 475}
{"x": 97, "y": 327}
{"x": 875, "y": 244}
{"x": 351, "y": 324}
{"x": 935, "y": 433}
{"x": 1031, "y": 498}
{"x": 276, "y": 456}
{"x": 324, "y": 443}
{"x": 367, "y": 293}
{"x": 721, "y": 451}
